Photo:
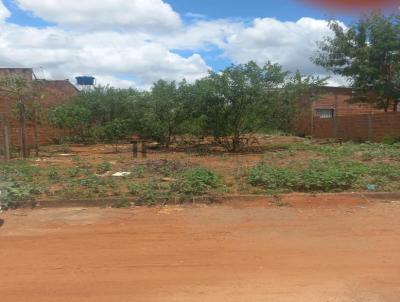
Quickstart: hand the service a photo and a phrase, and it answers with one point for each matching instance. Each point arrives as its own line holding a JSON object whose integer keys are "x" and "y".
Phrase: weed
{"x": 167, "y": 167}
{"x": 391, "y": 139}
{"x": 64, "y": 148}
{"x": 123, "y": 203}
{"x": 103, "y": 168}
{"x": 53, "y": 175}
{"x": 135, "y": 188}
{"x": 196, "y": 182}
{"x": 76, "y": 171}
{"x": 12, "y": 194}
{"x": 138, "y": 171}
{"x": 317, "y": 176}
{"x": 18, "y": 171}
{"x": 151, "y": 195}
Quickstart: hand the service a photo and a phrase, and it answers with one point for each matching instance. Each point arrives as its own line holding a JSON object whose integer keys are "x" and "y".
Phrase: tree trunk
{"x": 6, "y": 140}
{"x": 35, "y": 133}
{"x": 395, "y": 105}
{"x": 236, "y": 143}
{"x": 22, "y": 118}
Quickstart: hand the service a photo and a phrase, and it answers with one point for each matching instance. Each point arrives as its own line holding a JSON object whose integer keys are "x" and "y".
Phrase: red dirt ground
{"x": 319, "y": 249}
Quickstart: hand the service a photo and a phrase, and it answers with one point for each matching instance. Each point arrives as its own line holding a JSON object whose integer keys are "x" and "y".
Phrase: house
{"x": 332, "y": 115}
{"x": 54, "y": 93}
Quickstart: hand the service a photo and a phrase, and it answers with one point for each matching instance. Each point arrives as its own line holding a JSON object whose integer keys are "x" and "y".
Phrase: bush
{"x": 322, "y": 176}
{"x": 135, "y": 188}
{"x": 12, "y": 194}
{"x": 196, "y": 182}
{"x": 150, "y": 195}
{"x": 53, "y": 175}
{"x": 104, "y": 167}
{"x": 391, "y": 139}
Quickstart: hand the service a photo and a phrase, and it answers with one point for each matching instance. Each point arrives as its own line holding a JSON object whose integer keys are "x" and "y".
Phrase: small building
{"x": 333, "y": 115}
{"x": 55, "y": 92}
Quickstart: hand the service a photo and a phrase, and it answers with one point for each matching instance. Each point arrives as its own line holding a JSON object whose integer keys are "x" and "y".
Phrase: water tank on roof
{"x": 85, "y": 81}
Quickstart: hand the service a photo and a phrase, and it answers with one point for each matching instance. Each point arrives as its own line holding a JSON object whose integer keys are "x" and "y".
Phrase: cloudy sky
{"x": 136, "y": 42}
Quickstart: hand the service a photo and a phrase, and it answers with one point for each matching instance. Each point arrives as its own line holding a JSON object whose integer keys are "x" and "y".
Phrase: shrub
{"x": 103, "y": 168}
{"x": 135, "y": 188}
{"x": 53, "y": 175}
{"x": 151, "y": 194}
{"x": 391, "y": 139}
{"x": 317, "y": 176}
{"x": 12, "y": 194}
{"x": 196, "y": 182}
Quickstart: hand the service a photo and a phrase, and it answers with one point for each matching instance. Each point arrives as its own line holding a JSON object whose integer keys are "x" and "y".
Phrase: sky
{"x": 133, "y": 43}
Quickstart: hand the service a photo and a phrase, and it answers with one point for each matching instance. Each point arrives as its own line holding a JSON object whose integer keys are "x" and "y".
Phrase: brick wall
{"x": 54, "y": 93}
{"x": 24, "y": 73}
{"x": 371, "y": 127}
{"x": 351, "y": 121}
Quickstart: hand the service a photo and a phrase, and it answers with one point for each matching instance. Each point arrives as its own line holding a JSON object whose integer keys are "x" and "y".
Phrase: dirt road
{"x": 318, "y": 249}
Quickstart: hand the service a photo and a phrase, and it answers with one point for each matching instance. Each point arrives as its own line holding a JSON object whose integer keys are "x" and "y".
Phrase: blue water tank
{"x": 85, "y": 80}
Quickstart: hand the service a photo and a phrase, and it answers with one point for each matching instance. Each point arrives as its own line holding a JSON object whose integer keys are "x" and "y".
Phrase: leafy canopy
{"x": 368, "y": 53}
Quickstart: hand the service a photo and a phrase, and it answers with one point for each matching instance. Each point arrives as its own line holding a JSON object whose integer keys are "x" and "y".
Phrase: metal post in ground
{"x": 134, "y": 149}
{"x": 144, "y": 149}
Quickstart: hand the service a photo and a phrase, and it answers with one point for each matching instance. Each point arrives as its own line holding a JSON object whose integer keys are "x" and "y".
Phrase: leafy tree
{"x": 107, "y": 103}
{"x": 298, "y": 91}
{"x": 93, "y": 111}
{"x": 73, "y": 117}
{"x": 243, "y": 99}
{"x": 115, "y": 131}
{"x": 166, "y": 111}
{"x": 368, "y": 53}
{"x": 26, "y": 95}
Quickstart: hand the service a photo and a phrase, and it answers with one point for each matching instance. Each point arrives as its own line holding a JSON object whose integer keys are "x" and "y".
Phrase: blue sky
{"x": 134, "y": 43}
{"x": 285, "y": 10}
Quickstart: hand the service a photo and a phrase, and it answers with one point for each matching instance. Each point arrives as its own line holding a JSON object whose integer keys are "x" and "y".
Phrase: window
{"x": 325, "y": 113}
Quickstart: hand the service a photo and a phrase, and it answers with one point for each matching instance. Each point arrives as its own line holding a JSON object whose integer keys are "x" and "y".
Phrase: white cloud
{"x": 138, "y": 39}
{"x": 94, "y": 14}
{"x": 4, "y": 12}
{"x": 201, "y": 35}
{"x": 65, "y": 54}
{"x": 289, "y": 43}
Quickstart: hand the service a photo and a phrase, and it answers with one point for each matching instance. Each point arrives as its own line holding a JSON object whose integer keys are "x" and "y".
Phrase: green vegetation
{"x": 368, "y": 53}
{"x": 229, "y": 106}
{"x": 322, "y": 176}
{"x": 196, "y": 182}
{"x": 337, "y": 167}
{"x": 284, "y": 167}
{"x": 104, "y": 167}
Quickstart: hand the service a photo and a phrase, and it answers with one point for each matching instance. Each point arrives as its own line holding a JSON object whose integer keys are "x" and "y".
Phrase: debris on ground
{"x": 168, "y": 179}
{"x": 122, "y": 174}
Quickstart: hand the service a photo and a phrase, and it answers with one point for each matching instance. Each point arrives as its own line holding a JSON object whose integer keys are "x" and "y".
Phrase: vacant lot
{"x": 336, "y": 249}
{"x": 273, "y": 165}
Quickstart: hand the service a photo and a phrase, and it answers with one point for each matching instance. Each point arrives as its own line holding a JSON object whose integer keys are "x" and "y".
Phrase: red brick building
{"x": 332, "y": 115}
{"x": 54, "y": 93}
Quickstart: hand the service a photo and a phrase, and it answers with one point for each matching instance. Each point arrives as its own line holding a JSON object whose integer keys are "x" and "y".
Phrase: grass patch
{"x": 196, "y": 182}
{"x": 324, "y": 176}
{"x": 103, "y": 168}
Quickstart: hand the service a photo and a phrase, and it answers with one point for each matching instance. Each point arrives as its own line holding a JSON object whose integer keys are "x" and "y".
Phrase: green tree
{"x": 73, "y": 117}
{"x": 368, "y": 53}
{"x": 87, "y": 115}
{"x": 115, "y": 131}
{"x": 166, "y": 111}
{"x": 243, "y": 99}
{"x": 26, "y": 95}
